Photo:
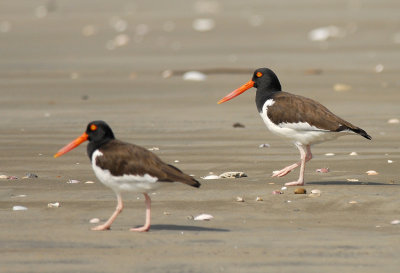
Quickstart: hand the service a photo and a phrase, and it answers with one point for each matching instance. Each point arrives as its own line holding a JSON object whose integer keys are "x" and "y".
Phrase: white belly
{"x": 135, "y": 183}
{"x": 300, "y": 132}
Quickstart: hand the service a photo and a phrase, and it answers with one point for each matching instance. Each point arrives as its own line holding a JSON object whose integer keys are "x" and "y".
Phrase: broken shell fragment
{"x": 3, "y": 176}
{"x": 203, "y": 217}
{"x": 300, "y": 191}
{"x": 322, "y": 170}
{"x": 353, "y": 153}
{"x": 194, "y": 76}
{"x": 393, "y": 121}
{"x": 19, "y": 208}
{"x": 372, "y": 172}
{"x": 89, "y": 182}
{"x": 353, "y": 202}
{"x": 153, "y": 149}
{"x": 258, "y": 198}
{"x": 352, "y": 179}
{"x": 53, "y": 205}
{"x": 329, "y": 154}
{"x": 73, "y": 181}
{"x": 315, "y": 193}
{"x": 239, "y": 199}
{"x": 212, "y": 176}
{"x": 30, "y": 175}
{"x": 341, "y": 87}
{"x": 277, "y": 192}
{"x": 94, "y": 220}
{"x": 395, "y": 222}
{"x": 238, "y": 125}
{"x": 232, "y": 175}
{"x": 284, "y": 188}
{"x": 264, "y": 145}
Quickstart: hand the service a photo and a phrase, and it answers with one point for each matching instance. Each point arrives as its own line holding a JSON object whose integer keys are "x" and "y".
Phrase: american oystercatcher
{"x": 302, "y": 120}
{"x": 123, "y": 167}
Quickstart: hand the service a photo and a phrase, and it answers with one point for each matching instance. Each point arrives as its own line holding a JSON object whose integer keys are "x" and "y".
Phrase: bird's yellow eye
{"x": 93, "y": 127}
{"x": 259, "y": 74}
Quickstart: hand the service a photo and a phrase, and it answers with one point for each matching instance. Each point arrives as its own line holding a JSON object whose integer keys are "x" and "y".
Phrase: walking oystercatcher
{"x": 302, "y": 120}
{"x": 123, "y": 166}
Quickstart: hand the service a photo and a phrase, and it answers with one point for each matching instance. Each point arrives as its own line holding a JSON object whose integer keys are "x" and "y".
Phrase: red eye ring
{"x": 259, "y": 74}
{"x": 93, "y": 127}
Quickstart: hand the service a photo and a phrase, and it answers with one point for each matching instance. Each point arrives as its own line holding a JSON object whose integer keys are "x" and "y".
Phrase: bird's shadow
{"x": 187, "y": 228}
{"x": 347, "y": 183}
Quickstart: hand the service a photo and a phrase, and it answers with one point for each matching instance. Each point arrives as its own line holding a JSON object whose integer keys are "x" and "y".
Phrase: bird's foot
{"x": 295, "y": 183}
{"x": 101, "y": 227}
{"x": 140, "y": 229}
{"x": 282, "y": 172}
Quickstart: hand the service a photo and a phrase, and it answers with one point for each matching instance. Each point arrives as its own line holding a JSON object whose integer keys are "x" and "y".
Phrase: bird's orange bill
{"x": 237, "y": 92}
{"x": 73, "y": 144}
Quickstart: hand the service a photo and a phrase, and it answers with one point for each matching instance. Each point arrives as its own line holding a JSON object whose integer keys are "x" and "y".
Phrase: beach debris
{"x": 19, "y": 196}
{"x": 89, "y": 182}
{"x": 264, "y": 145}
{"x": 300, "y": 191}
{"x": 341, "y": 87}
{"x": 288, "y": 201}
{"x": 239, "y": 199}
{"x": 30, "y": 175}
{"x": 211, "y": 176}
{"x": 259, "y": 199}
{"x": 390, "y": 161}
{"x": 12, "y": 177}
{"x": 379, "y": 68}
{"x": 19, "y": 208}
{"x": 203, "y": 24}
{"x": 329, "y": 154}
{"x": 271, "y": 183}
{"x": 176, "y": 161}
{"x": 372, "y": 172}
{"x": 232, "y": 175}
{"x": 315, "y": 193}
{"x": 94, "y": 220}
{"x": 73, "y": 181}
{"x": 395, "y": 222}
{"x": 203, "y": 217}
{"x": 393, "y": 121}
{"x": 322, "y": 170}
{"x": 324, "y": 33}
{"x": 54, "y": 205}
{"x": 194, "y": 76}
{"x": 353, "y": 153}
{"x": 238, "y": 125}
{"x": 352, "y": 179}
{"x": 284, "y": 188}
{"x": 353, "y": 202}
{"x": 3, "y": 176}
{"x": 153, "y": 149}
{"x": 277, "y": 192}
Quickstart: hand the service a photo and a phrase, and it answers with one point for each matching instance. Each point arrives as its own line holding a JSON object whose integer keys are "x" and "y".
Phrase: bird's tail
{"x": 179, "y": 176}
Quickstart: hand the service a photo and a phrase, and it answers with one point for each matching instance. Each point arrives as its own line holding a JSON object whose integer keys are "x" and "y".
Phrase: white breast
{"x": 127, "y": 182}
{"x": 300, "y": 132}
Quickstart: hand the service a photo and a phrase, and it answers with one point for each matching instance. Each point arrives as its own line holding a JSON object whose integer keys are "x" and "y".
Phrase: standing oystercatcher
{"x": 302, "y": 120}
{"x": 125, "y": 167}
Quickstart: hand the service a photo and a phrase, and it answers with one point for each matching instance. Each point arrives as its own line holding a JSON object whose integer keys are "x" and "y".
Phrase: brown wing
{"x": 293, "y": 108}
{"x": 125, "y": 158}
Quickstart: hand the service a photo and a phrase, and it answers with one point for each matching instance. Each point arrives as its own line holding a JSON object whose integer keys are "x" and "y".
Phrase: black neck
{"x": 262, "y": 95}
{"x": 93, "y": 146}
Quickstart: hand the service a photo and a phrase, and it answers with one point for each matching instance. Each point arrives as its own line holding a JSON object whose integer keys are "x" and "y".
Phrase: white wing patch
{"x": 127, "y": 182}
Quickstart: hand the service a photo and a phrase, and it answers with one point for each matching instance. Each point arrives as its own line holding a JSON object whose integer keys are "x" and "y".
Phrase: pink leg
{"x": 117, "y": 211}
{"x": 305, "y": 156}
{"x": 146, "y": 226}
{"x": 288, "y": 169}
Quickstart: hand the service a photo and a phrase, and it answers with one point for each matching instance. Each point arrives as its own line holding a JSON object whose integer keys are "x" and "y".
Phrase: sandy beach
{"x": 66, "y": 63}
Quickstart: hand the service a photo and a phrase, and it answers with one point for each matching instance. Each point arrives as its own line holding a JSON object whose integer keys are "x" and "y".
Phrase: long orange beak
{"x": 73, "y": 144}
{"x": 237, "y": 92}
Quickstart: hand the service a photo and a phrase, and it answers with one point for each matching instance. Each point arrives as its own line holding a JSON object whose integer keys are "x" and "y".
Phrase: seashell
{"x": 30, "y": 175}
{"x": 300, "y": 191}
{"x": 94, "y": 220}
{"x": 232, "y": 175}
{"x": 238, "y": 125}
{"x": 315, "y": 193}
{"x": 89, "y": 182}
{"x": 352, "y": 179}
{"x": 12, "y": 177}
{"x": 176, "y": 161}
{"x": 324, "y": 33}
{"x": 372, "y": 172}
{"x": 353, "y": 153}
{"x": 239, "y": 199}
{"x": 19, "y": 196}
{"x": 284, "y": 188}
{"x": 73, "y": 181}
{"x": 211, "y": 176}
{"x": 203, "y": 24}
{"x": 166, "y": 213}
{"x": 393, "y": 121}
{"x": 167, "y": 73}
{"x": 153, "y": 149}
{"x": 258, "y": 198}
{"x": 271, "y": 183}
{"x": 194, "y": 76}
{"x": 390, "y": 161}
{"x": 53, "y": 205}
{"x": 264, "y": 145}
{"x": 19, "y": 208}
{"x": 3, "y": 176}
{"x": 379, "y": 68}
{"x": 277, "y": 192}
{"x": 329, "y": 154}
{"x": 203, "y": 217}
{"x": 322, "y": 170}
{"x": 395, "y": 222}
{"x": 341, "y": 87}
{"x": 353, "y": 202}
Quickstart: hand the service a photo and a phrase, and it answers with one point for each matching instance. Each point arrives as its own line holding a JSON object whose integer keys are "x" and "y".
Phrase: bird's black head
{"x": 99, "y": 132}
{"x": 265, "y": 79}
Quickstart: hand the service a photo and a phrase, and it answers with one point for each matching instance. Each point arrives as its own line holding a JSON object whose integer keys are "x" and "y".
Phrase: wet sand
{"x": 54, "y": 80}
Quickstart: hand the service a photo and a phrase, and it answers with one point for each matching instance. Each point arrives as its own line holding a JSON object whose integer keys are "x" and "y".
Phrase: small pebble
{"x": 203, "y": 217}
{"x": 19, "y": 208}
{"x": 284, "y": 188}
{"x": 238, "y": 125}
{"x": 53, "y": 205}
{"x": 94, "y": 220}
{"x": 395, "y": 222}
{"x": 322, "y": 170}
{"x": 300, "y": 191}
{"x": 372, "y": 172}
{"x": 239, "y": 199}
{"x": 258, "y": 198}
